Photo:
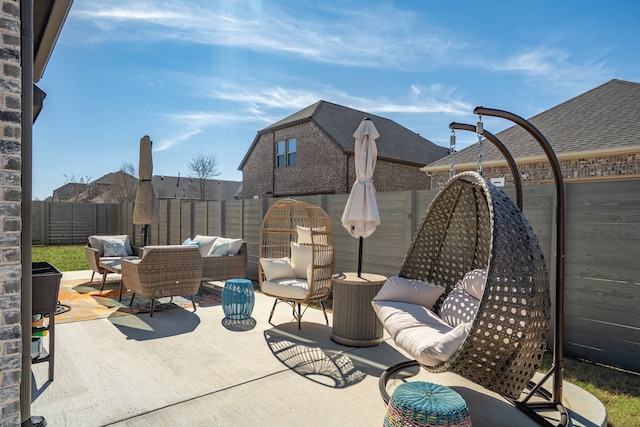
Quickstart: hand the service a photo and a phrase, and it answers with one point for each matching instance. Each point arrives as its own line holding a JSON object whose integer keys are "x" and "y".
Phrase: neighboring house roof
{"x": 113, "y": 178}
{"x": 338, "y": 123}
{"x": 604, "y": 119}
{"x": 168, "y": 187}
{"x": 70, "y": 191}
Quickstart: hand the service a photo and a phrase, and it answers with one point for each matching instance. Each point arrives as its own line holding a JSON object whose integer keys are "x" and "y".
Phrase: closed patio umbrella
{"x": 146, "y": 210}
{"x": 360, "y": 216}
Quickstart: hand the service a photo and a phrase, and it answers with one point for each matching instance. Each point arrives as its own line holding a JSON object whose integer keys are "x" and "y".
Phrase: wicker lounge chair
{"x": 296, "y": 255}
{"x": 164, "y": 271}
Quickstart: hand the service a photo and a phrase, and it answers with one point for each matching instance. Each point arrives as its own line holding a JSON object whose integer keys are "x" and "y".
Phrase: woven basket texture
{"x": 473, "y": 224}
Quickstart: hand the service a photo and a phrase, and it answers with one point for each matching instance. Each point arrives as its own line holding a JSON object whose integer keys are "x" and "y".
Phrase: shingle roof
{"x": 395, "y": 143}
{"x": 604, "y": 118}
{"x": 168, "y": 187}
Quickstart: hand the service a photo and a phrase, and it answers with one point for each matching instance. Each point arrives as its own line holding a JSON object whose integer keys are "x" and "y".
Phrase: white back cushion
{"x": 398, "y": 288}
{"x": 301, "y": 257}
{"x": 473, "y": 282}
{"x": 205, "y": 243}
{"x": 277, "y": 268}
{"x": 459, "y": 307}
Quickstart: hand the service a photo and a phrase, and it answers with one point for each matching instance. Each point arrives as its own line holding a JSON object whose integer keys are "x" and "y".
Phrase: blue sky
{"x": 206, "y": 76}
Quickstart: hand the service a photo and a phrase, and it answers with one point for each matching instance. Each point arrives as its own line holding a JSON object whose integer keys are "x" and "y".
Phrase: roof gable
{"x": 396, "y": 143}
{"x": 604, "y": 118}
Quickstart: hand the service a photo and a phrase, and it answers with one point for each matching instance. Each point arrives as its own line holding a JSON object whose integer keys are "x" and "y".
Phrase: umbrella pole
{"x": 144, "y": 234}
{"x": 360, "y": 257}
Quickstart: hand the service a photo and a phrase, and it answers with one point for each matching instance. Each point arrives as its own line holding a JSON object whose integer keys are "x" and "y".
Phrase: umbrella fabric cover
{"x": 146, "y": 209}
{"x": 360, "y": 216}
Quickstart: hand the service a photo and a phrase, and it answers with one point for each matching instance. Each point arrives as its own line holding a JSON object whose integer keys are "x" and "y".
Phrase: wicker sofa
{"x": 95, "y": 252}
{"x": 164, "y": 271}
{"x": 220, "y": 262}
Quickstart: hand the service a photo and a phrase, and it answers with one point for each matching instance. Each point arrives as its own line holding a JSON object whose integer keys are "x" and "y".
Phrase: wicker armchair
{"x": 94, "y": 253}
{"x": 164, "y": 271}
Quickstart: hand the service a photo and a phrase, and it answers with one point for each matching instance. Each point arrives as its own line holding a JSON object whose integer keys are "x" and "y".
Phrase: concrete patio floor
{"x": 180, "y": 368}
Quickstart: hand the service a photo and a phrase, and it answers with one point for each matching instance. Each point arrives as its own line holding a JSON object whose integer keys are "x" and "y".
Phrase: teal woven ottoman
{"x": 423, "y": 404}
{"x": 238, "y": 299}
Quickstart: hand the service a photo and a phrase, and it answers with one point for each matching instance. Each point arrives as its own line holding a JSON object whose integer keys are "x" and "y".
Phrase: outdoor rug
{"x": 80, "y": 300}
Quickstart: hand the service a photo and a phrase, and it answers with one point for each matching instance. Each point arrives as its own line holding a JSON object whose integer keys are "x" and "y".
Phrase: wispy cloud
{"x": 169, "y": 142}
{"x": 552, "y": 65}
{"x": 370, "y": 37}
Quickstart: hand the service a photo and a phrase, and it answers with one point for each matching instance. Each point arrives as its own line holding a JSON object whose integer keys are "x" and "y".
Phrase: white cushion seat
{"x": 291, "y": 288}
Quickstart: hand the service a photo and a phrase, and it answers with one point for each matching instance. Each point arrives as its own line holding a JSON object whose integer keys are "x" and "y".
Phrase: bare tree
{"x": 123, "y": 184}
{"x": 73, "y": 179}
{"x": 203, "y": 167}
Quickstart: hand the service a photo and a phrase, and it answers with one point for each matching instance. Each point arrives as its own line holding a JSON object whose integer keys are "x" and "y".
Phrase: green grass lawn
{"x": 64, "y": 258}
{"x": 618, "y": 391}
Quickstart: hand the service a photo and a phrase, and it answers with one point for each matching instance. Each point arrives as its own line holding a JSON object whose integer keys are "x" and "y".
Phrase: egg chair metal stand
{"x": 472, "y": 224}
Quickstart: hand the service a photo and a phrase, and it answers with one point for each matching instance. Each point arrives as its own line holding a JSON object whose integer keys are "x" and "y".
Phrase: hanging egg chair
{"x": 473, "y": 225}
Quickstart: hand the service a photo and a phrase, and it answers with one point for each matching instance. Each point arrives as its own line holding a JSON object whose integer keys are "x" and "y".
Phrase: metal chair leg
{"x": 193, "y": 301}
{"x": 153, "y": 302}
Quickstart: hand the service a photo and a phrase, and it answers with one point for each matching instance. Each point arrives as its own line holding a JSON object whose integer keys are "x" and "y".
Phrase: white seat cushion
{"x": 286, "y": 288}
{"x": 419, "y": 331}
{"x": 397, "y": 316}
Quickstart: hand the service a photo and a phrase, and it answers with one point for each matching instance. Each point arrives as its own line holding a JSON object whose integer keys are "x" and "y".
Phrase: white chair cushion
{"x": 205, "y": 243}
{"x": 473, "y": 282}
{"x": 304, "y": 235}
{"x": 459, "y": 307}
{"x": 396, "y": 316}
{"x": 277, "y": 268}
{"x": 429, "y": 346}
{"x": 409, "y": 290}
{"x": 301, "y": 257}
{"x": 286, "y": 288}
{"x": 96, "y": 242}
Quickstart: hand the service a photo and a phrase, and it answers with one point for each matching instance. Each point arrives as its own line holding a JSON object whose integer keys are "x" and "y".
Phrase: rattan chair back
{"x": 472, "y": 224}
{"x": 281, "y": 226}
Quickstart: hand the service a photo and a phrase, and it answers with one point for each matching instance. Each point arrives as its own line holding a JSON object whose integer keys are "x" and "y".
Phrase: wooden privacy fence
{"x": 602, "y": 247}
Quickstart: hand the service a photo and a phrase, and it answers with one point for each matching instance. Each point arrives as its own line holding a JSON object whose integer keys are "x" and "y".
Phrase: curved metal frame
{"x": 554, "y": 399}
{"x": 557, "y": 366}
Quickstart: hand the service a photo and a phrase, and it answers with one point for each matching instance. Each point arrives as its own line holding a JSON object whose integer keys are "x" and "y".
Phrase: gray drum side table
{"x": 354, "y": 321}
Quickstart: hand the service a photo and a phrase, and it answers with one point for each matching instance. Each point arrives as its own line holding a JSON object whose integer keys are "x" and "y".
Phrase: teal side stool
{"x": 238, "y": 299}
{"x": 423, "y": 404}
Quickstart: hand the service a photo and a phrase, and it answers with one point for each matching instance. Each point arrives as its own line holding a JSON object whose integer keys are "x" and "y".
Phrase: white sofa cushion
{"x": 219, "y": 248}
{"x": 277, "y": 268}
{"x": 459, "y": 307}
{"x": 413, "y": 291}
{"x": 234, "y": 244}
{"x": 286, "y": 288}
{"x": 473, "y": 282}
{"x": 96, "y": 243}
{"x": 205, "y": 243}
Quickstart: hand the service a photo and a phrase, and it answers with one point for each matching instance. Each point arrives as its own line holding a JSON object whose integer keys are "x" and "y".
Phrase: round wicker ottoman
{"x": 420, "y": 403}
{"x": 238, "y": 299}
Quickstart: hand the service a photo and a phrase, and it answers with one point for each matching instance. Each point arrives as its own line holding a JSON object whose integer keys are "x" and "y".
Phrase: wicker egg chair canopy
{"x": 472, "y": 224}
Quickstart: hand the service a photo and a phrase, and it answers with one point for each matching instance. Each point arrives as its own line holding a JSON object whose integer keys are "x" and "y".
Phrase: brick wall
{"x": 321, "y": 168}
{"x": 600, "y": 167}
{"x": 10, "y": 195}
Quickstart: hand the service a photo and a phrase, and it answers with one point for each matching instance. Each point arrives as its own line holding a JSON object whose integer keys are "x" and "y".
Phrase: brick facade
{"x": 600, "y": 167}
{"x": 10, "y": 198}
{"x": 321, "y": 168}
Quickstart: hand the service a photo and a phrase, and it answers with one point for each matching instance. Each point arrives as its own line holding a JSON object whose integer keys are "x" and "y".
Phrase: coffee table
{"x": 111, "y": 267}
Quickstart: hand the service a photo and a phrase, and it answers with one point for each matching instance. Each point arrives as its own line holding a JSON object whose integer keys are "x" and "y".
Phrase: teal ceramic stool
{"x": 424, "y": 404}
{"x": 238, "y": 299}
